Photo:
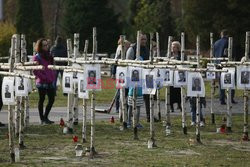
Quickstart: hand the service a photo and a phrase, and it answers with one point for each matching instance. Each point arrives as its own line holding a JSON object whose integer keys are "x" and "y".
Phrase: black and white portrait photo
{"x": 227, "y": 78}
{"x": 245, "y": 77}
{"x": 82, "y": 92}
{"x": 135, "y": 75}
{"x": 92, "y": 77}
{"x": 182, "y": 77}
{"x": 67, "y": 82}
{"x": 74, "y": 75}
{"x": 21, "y": 85}
{"x": 8, "y": 86}
{"x": 210, "y": 75}
{"x": 166, "y": 76}
{"x": 150, "y": 81}
{"x": 121, "y": 77}
{"x": 7, "y": 93}
{"x": 196, "y": 84}
{"x": 121, "y": 74}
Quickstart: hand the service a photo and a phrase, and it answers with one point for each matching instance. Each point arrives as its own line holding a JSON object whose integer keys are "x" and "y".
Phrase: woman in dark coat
{"x": 175, "y": 93}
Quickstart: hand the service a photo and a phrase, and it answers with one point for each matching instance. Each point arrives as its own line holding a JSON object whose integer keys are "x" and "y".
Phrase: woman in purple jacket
{"x": 45, "y": 79}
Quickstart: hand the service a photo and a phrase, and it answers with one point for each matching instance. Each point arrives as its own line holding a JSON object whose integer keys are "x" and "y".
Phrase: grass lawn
{"x": 106, "y": 95}
{"x": 47, "y": 146}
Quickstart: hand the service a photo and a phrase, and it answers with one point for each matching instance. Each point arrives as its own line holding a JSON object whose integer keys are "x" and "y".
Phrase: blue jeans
{"x": 193, "y": 110}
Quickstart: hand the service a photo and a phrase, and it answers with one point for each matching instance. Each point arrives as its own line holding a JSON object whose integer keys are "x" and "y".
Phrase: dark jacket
{"x": 220, "y": 47}
{"x": 59, "y": 50}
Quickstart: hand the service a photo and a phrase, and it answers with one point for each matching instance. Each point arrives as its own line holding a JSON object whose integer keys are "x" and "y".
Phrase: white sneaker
{"x": 202, "y": 124}
{"x": 192, "y": 123}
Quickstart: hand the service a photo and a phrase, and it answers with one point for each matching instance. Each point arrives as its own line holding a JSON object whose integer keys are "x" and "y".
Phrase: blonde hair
{"x": 176, "y": 43}
{"x": 120, "y": 41}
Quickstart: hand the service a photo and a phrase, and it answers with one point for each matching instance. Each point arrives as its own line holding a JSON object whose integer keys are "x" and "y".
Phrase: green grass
{"x": 117, "y": 148}
{"x": 106, "y": 95}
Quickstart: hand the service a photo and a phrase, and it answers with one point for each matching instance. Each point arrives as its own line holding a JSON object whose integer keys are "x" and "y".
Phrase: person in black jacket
{"x": 59, "y": 50}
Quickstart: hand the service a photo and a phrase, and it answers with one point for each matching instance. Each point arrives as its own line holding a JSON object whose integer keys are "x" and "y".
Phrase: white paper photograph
{"x": 227, "y": 79}
{"x": 243, "y": 77}
{"x": 149, "y": 81}
{"x": 135, "y": 77}
{"x": 76, "y": 74}
{"x": 8, "y": 91}
{"x": 121, "y": 77}
{"x": 180, "y": 78}
{"x": 68, "y": 82}
{"x": 92, "y": 75}
{"x": 21, "y": 86}
{"x": 210, "y": 75}
{"x": 82, "y": 93}
{"x": 168, "y": 77}
{"x": 195, "y": 85}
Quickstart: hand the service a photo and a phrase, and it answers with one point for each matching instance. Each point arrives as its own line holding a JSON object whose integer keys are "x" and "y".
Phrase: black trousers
{"x": 51, "y": 98}
{"x": 147, "y": 105}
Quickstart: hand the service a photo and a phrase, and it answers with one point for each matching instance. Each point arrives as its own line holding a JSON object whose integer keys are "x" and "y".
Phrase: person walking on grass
{"x": 45, "y": 79}
{"x": 221, "y": 50}
{"x": 175, "y": 93}
{"x": 59, "y": 50}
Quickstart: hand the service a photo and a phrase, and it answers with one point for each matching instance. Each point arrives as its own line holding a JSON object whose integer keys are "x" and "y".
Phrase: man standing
{"x": 221, "y": 50}
{"x": 144, "y": 55}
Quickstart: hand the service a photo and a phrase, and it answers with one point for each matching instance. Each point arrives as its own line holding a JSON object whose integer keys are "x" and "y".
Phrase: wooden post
{"x": 75, "y": 95}
{"x": 229, "y": 94}
{"x": 138, "y": 45}
{"x": 198, "y": 105}
{"x": 212, "y": 82}
{"x": 167, "y": 93}
{"x": 92, "y": 122}
{"x": 26, "y": 99}
{"x": 10, "y": 108}
{"x": 245, "y": 130}
{"x": 158, "y": 100}
{"x": 84, "y": 101}
{"x": 122, "y": 90}
{"x": 26, "y": 111}
{"x": 22, "y": 99}
{"x": 183, "y": 105}
{"x": 135, "y": 122}
{"x": 70, "y": 95}
{"x": 151, "y": 141}
{"x": 18, "y": 105}
{"x": 198, "y": 120}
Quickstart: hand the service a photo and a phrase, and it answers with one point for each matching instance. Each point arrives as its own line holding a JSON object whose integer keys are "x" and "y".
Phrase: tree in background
{"x": 29, "y": 21}
{"x": 153, "y": 16}
{"x": 202, "y": 17}
{"x": 146, "y": 19}
{"x": 6, "y": 32}
{"x": 80, "y": 16}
